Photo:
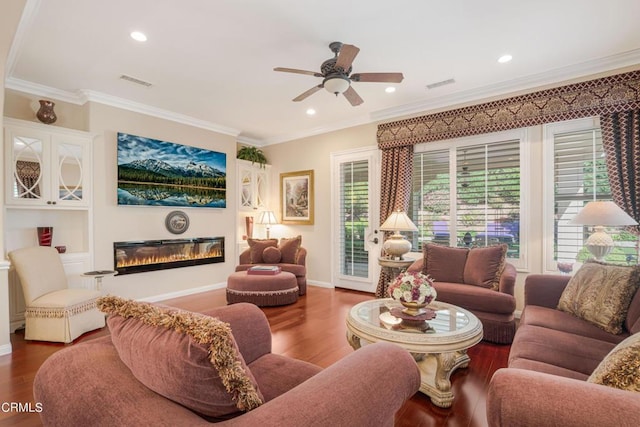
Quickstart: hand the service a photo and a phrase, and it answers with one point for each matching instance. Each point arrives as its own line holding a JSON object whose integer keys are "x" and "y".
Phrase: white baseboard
{"x": 320, "y": 284}
{"x": 183, "y": 293}
{"x": 517, "y": 313}
{"x": 5, "y": 349}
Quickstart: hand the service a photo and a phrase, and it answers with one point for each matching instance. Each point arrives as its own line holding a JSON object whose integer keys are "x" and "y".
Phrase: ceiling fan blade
{"x": 347, "y": 54}
{"x": 307, "y": 93}
{"x": 293, "y": 70}
{"x": 377, "y": 77}
{"x": 352, "y": 96}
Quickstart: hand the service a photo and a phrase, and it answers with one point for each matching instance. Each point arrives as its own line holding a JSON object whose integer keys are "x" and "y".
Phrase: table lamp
{"x": 267, "y": 218}
{"x": 601, "y": 214}
{"x": 396, "y": 245}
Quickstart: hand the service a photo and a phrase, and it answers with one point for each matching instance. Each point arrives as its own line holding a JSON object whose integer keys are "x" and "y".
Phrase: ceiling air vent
{"x": 442, "y": 83}
{"x": 136, "y": 81}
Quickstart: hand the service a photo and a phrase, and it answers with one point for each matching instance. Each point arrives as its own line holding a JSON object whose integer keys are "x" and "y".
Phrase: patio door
{"x": 355, "y": 238}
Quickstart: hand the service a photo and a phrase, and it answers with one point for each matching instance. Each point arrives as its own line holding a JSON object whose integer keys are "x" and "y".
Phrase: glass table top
{"x": 377, "y": 313}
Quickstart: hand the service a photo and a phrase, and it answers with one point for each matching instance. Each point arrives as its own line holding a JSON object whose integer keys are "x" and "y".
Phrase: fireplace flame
{"x": 155, "y": 259}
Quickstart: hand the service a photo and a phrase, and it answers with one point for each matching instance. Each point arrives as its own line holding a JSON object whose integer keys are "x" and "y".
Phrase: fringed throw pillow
{"x": 621, "y": 367}
{"x": 189, "y": 358}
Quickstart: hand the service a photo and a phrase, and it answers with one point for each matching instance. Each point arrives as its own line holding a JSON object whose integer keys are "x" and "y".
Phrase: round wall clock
{"x": 177, "y": 222}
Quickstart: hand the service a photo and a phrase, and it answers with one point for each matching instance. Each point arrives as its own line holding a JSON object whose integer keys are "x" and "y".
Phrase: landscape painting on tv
{"x": 159, "y": 173}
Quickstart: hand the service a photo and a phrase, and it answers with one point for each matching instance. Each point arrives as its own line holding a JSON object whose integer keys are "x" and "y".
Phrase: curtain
{"x": 395, "y": 193}
{"x": 621, "y": 141}
{"x": 27, "y": 176}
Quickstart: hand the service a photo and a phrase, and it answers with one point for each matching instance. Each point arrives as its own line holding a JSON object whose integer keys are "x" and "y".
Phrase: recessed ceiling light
{"x": 311, "y": 112}
{"x": 390, "y": 89}
{"x": 138, "y": 36}
{"x": 505, "y": 58}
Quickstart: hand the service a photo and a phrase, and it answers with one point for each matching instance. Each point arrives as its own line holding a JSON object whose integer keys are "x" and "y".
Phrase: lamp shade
{"x": 336, "y": 85}
{"x": 398, "y": 221}
{"x": 604, "y": 213}
{"x": 601, "y": 214}
{"x": 267, "y": 218}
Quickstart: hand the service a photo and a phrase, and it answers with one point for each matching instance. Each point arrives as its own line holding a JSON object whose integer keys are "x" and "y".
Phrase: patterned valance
{"x": 594, "y": 97}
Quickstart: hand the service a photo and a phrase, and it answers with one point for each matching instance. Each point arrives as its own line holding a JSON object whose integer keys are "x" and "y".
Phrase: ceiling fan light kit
{"x": 336, "y": 73}
{"x": 336, "y": 85}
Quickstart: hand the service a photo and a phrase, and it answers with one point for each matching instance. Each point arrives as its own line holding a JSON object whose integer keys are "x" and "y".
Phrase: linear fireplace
{"x": 149, "y": 255}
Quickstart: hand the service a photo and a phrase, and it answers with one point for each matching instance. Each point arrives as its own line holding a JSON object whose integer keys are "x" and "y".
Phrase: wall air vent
{"x": 136, "y": 81}
{"x": 442, "y": 83}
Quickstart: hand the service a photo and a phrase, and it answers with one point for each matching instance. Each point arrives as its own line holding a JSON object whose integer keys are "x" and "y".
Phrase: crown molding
{"x": 83, "y": 96}
{"x": 361, "y": 120}
{"x": 250, "y": 141}
{"x": 29, "y": 12}
{"x": 557, "y": 75}
{"x": 43, "y": 91}
{"x": 138, "y": 107}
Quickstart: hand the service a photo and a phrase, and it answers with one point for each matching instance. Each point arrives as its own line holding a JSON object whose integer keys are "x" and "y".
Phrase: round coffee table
{"x": 438, "y": 350}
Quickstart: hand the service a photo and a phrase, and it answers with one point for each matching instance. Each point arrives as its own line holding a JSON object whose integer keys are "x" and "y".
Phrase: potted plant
{"x": 252, "y": 154}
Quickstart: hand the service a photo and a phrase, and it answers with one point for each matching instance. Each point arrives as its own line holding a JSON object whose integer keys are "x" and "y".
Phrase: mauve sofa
{"x": 88, "y": 384}
{"x": 494, "y": 308}
{"x": 551, "y": 358}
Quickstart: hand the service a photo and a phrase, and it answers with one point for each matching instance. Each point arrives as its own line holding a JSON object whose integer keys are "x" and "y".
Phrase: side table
{"x": 98, "y": 275}
{"x": 394, "y": 266}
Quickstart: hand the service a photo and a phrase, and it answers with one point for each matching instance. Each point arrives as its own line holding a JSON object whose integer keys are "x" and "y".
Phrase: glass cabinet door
{"x": 69, "y": 174}
{"x": 28, "y": 183}
{"x": 246, "y": 188}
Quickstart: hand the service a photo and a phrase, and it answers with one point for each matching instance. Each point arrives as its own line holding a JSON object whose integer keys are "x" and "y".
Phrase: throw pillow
{"x": 485, "y": 266}
{"x": 621, "y": 367}
{"x": 600, "y": 293}
{"x": 289, "y": 249}
{"x": 271, "y": 255}
{"x": 257, "y": 247}
{"x": 443, "y": 263}
{"x": 189, "y": 358}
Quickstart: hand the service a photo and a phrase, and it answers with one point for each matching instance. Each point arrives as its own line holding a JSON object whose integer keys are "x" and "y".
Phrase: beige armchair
{"x": 54, "y": 312}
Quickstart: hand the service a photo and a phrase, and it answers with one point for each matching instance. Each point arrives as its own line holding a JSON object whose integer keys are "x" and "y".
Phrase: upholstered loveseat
{"x": 139, "y": 376}
{"x": 476, "y": 279}
{"x": 288, "y": 254}
{"x": 559, "y": 363}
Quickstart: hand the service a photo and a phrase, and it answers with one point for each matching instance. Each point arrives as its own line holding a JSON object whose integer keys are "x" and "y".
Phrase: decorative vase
{"x": 45, "y": 235}
{"x": 46, "y": 114}
{"x": 413, "y": 308}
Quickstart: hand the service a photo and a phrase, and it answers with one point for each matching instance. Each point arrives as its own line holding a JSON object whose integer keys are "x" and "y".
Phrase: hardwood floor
{"x": 313, "y": 329}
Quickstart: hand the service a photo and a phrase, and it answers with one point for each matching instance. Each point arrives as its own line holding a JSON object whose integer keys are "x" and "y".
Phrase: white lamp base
{"x": 599, "y": 243}
{"x": 396, "y": 245}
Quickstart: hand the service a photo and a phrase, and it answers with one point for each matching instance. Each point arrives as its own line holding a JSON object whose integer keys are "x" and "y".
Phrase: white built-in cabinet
{"x": 48, "y": 183}
{"x": 253, "y": 183}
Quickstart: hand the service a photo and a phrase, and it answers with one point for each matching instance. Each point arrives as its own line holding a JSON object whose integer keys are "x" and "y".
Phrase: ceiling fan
{"x": 336, "y": 74}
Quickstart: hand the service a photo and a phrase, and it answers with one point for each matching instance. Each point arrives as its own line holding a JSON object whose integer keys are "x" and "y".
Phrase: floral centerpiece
{"x": 414, "y": 290}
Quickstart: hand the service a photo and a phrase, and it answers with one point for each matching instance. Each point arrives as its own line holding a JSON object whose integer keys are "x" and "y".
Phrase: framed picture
{"x": 296, "y": 197}
{"x": 159, "y": 173}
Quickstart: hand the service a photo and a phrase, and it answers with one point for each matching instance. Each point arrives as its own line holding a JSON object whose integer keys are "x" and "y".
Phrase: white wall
{"x": 121, "y": 223}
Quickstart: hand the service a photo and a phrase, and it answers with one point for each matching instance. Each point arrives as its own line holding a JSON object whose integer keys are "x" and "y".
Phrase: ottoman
{"x": 262, "y": 290}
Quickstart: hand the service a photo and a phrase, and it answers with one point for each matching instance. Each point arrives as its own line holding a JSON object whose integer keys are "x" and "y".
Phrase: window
{"x": 579, "y": 176}
{"x": 354, "y": 213}
{"x": 469, "y": 193}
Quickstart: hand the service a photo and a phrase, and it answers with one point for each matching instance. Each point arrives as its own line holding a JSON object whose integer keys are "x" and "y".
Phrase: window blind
{"x": 488, "y": 195}
{"x": 431, "y": 198}
{"x": 354, "y": 214}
